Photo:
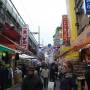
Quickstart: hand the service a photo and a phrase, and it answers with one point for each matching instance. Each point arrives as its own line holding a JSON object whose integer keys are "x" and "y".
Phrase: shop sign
{"x": 25, "y": 35}
{"x": 65, "y": 28}
{"x": 87, "y": 7}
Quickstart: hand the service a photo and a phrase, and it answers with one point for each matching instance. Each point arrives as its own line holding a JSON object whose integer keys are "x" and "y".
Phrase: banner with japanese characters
{"x": 25, "y": 37}
{"x": 65, "y": 28}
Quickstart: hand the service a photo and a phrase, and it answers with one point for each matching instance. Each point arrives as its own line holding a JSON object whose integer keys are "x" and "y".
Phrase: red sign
{"x": 65, "y": 28}
{"x": 25, "y": 35}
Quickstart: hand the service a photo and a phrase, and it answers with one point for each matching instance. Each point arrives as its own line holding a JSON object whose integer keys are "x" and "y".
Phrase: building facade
{"x": 82, "y": 18}
{"x": 11, "y": 24}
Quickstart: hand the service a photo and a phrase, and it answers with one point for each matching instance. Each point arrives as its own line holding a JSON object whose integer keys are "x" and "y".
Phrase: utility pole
{"x": 39, "y": 35}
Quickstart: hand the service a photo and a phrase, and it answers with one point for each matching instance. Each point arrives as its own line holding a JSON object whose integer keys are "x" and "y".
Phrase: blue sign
{"x": 87, "y": 7}
{"x": 49, "y": 45}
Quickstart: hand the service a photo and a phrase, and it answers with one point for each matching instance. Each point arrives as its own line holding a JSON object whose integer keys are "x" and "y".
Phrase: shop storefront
{"x": 9, "y": 41}
{"x": 5, "y": 53}
{"x": 80, "y": 43}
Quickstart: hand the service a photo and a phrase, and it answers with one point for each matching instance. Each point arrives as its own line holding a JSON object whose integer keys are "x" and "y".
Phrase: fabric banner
{"x": 25, "y": 37}
{"x": 84, "y": 38}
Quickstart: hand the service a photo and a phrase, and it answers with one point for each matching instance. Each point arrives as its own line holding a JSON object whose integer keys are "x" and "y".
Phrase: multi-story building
{"x": 72, "y": 31}
{"x": 11, "y": 24}
{"x": 81, "y": 17}
{"x": 82, "y": 9}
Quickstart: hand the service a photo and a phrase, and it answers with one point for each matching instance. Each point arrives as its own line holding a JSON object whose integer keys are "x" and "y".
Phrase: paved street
{"x": 17, "y": 87}
{"x": 57, "y": 85}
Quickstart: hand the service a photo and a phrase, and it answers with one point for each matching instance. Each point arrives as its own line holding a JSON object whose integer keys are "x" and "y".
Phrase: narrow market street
{"x": 18, "y": 87}
{"x": 42, "y": 41}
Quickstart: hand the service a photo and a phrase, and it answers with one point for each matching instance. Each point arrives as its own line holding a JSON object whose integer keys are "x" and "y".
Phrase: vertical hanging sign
{"x": 25, "y": 36}
{"x": 65, "y": 28}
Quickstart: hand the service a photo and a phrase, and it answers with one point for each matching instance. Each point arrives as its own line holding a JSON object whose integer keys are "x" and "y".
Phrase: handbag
{"x": 51, "y": 85}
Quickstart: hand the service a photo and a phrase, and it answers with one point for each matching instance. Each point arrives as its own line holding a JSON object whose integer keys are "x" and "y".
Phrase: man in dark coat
{"x": 68, "y": 81}
{"x": 2, "y": 83}
{"x": 32, "y": 81}
{"x": 87, "y": 75}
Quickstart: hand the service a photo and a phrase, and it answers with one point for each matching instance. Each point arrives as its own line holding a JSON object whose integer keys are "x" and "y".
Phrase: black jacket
{"x": 68, "y": 82}
{"x": 32, "y": 83}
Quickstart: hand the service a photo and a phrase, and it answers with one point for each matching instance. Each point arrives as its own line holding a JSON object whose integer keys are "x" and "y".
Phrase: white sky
{"x": 44, "y": 13}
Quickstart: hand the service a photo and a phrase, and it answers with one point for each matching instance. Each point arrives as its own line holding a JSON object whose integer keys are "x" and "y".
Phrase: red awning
{"x": 6, "y": 42}
{"x": 10, "y": 32}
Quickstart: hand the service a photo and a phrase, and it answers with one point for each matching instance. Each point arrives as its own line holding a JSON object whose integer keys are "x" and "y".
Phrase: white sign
{"x": 25, "y": 35}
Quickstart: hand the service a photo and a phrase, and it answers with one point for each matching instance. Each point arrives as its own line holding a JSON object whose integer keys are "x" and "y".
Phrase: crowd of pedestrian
{"x": 50, "y": 73}
{"x": 38, "y": 77}
{"x": 5, "y": 76}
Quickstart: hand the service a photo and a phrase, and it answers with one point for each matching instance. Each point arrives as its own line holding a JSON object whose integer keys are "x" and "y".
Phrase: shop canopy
{"x": 6, "y": 49}
{"x": 81, "y": 42}
{"x": 10, "y": 32}
{"x": 24, "y": 56}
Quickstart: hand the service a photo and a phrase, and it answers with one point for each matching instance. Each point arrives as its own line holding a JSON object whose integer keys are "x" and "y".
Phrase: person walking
{"x": 45, "y": 76}
{"x": 87, "y": 75}
{"x": 2, "y": 83}
{"x": 68, "y": 81}
{"x": 31, "y": 81}
{"x": 18, "y": 75}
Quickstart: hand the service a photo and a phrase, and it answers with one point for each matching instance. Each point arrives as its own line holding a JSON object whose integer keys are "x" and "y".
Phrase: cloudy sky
{"x": 44, "y": 13}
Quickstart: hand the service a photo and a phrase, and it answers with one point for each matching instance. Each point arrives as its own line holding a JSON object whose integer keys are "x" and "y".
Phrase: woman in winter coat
{"x": 68, "y": 81}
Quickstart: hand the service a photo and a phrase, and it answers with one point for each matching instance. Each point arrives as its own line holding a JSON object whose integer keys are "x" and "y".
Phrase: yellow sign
{"x": 69, "y": 56}
{"x": 72, "y": 28}
{"x": 72, "y": 19}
